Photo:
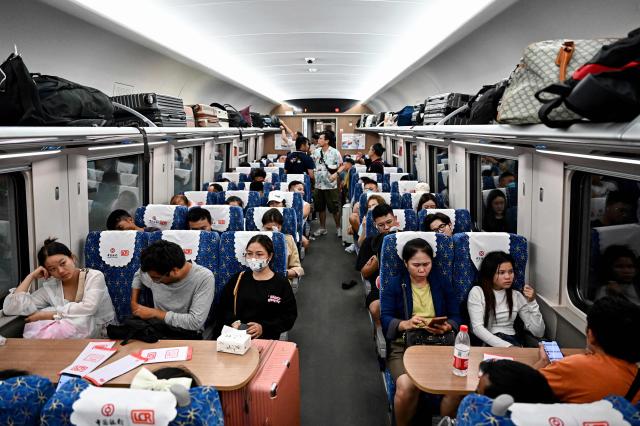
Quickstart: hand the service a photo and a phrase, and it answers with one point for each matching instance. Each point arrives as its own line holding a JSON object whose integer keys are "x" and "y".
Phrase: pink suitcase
{"x": 272, "y": 397}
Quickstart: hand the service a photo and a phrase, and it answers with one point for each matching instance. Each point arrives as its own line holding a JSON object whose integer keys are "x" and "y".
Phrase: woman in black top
{"x": 495, "y": 213}
{"x": 260, "y": 299}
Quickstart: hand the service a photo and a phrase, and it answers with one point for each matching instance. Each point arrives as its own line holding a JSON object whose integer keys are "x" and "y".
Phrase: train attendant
{"x": 77, "y": 298}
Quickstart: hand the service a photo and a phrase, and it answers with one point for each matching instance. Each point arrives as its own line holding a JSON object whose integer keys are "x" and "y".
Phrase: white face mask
{"x": 257, "y": 265}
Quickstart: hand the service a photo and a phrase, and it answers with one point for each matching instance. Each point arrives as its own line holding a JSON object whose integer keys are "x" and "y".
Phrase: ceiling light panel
{"x": 256, "y": 42}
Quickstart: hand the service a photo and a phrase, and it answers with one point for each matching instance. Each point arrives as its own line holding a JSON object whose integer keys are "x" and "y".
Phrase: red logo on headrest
{"x": 108, "y": 410}
{"x": 112, "y": 250}
{"x": 187, "y": 251}
{"x": 481, "y": 253}
{"x": 555, "y": 421}
{"x": 143, "y": 417}
{"x": 124, "y": 253}
{"x": 163, "y": 222}
{"x": 221, "y": 221}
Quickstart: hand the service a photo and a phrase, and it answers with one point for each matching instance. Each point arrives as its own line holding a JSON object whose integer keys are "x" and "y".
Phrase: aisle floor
{"x": 340, "y": 379}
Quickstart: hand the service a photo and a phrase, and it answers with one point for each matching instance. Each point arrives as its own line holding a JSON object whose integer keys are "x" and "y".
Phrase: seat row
{"x": 117, "y": 255}
{"x": 239, "y": 181}
{"x": 33, "y": 400}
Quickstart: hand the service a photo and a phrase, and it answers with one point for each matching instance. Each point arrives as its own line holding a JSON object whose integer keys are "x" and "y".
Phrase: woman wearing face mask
{"x": 78, "y": 298}
{"x": 272, "y": 220}
{"x": 258, "y": 300}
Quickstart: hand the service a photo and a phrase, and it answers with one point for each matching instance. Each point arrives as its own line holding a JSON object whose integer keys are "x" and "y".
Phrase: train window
{"x": 14, "y": 253}
{"x": 243, "y": 150}
{"x": 498, "y": 184}
{"x": 412, "y": 158}
{"x": 440, "y": 173}
{"x": 396, "y": 151}
{"x": 185, "y": 172}
{"x": 604, "y": 252}
{"x": 114, "y": 183}
{"x": 221, "y": 159}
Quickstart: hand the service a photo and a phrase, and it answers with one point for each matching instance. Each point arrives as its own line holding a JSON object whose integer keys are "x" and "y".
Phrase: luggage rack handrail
{"x": 16, "y": 137}
{"x": 606, "y": 135}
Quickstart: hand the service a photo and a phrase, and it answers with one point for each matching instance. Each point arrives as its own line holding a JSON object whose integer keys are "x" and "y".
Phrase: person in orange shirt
{"x": 609, "y": 366}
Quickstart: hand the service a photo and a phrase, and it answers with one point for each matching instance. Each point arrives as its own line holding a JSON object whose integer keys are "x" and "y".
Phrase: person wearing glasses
{"x": 257, "y": 300}
{"x": 369, "y": 255}
{"x": 619, "y": 210}
{"x": 182, "y": 291}
{"x": 493, "y": 304}
{"x": 438, "y": 222}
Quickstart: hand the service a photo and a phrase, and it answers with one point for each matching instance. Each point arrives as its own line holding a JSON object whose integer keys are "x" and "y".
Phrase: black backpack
{"x": 42, "y": 100}
{"x": 605, "y": 89}
{"x": 483, "y": 107}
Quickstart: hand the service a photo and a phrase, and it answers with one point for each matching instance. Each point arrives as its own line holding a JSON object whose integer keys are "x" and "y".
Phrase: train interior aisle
{"x": 167, "y": 166}
{"x": 338, "y": 379}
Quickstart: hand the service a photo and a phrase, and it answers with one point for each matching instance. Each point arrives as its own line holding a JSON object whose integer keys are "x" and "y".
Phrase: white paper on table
{"x": 492, "y": 356}
{"x": 115, "y": 369}
{"x": 94, "y": 354}
{"x": 153, "y": 356}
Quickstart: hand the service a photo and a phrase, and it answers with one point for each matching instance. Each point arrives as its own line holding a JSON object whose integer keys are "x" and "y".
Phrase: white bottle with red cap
{"x": 461, "y": 351}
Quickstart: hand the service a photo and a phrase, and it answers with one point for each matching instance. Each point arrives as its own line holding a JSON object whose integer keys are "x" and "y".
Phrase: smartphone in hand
{"x": 437, "y": 321}
{"x": 552, "y": 350}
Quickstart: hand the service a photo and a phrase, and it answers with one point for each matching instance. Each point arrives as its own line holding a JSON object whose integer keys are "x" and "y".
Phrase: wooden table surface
{"x": 429, "y": 367}
{"x": 48, "y": 357}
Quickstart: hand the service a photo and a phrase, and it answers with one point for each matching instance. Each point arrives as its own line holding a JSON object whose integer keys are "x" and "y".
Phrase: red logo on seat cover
{"x": 108, "y": 410}
{"x": 187, "y": 251}
{"x": 481, "y": 253}
{"x": 143, "y": 417}
{"x": 112, "y": 250}
{"x": 555, "y": 421}
{"x": 124, "y": 253}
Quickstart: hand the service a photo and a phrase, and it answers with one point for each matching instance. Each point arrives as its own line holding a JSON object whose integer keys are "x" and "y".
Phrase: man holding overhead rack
{"x": 327, "y": 195}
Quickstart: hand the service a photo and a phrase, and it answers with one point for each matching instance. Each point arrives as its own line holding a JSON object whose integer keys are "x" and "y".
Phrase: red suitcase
{"x": 272, "y": 397}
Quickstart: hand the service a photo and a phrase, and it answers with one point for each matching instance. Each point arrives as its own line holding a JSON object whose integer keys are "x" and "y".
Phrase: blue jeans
{"x": 509, "y": 338}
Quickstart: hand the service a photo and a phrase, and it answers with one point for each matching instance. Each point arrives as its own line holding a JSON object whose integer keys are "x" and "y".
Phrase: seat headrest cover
{"x": 197, "y": 198}
{"x": 595, "y": 413}
{"x": 243, "y": 195}
{"x": 189, "y": 241}
{"x": 625, "y": 235}
{"x": 481, "y": 243}
{"x": 159, "y": 216}
{"x": 117, "y": 247}
{"x": 124, "y": 406}
{"x": 220, "y": 216}
{"x": 402, "y": 238}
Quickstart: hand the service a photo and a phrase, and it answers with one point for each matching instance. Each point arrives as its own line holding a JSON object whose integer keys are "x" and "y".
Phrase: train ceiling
{"x": 358, "y": 47}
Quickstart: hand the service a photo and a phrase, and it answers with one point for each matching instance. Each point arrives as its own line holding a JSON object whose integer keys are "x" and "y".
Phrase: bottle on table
{"x": 461, "y": 351}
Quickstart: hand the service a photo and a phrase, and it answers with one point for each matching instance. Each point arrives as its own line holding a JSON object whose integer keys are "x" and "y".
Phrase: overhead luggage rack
{"x": 618, "y": 136}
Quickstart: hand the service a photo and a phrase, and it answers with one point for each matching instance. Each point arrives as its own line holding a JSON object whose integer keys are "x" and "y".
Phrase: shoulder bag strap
{"x": 235, "y": 293}
{"x": 404, "y": 301}
{"x": 635, "y": 386}
{"x": 81, "y": 280}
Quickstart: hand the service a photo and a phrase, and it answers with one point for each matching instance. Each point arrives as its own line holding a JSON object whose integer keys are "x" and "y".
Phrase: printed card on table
{"x": 115, "y": 369}
{"x": 153, "y": 356}
{"x": 94, "y": 354}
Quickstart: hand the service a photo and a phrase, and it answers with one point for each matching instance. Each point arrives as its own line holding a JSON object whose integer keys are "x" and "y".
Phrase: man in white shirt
{"x": 327, "y": 194}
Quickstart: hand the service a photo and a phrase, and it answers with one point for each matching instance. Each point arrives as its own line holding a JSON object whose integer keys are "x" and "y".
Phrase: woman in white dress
{"x": 494, "y": 305}
{"x": 73, "y": 302}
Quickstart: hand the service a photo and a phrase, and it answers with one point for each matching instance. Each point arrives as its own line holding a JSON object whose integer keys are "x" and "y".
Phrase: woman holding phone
{"x": 493, "y": 305}
{"x": 431, "y": 306}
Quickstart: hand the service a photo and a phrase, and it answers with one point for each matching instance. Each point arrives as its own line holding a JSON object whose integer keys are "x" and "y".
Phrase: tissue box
{"x": 233, "y": 341}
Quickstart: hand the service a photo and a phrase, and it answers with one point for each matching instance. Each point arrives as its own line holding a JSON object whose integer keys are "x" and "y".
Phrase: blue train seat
{"x": 22, "y": 399}
{"x": 226, "y": 218}
{"x": 117, "y": 255}
{"x": 161, "y": 216}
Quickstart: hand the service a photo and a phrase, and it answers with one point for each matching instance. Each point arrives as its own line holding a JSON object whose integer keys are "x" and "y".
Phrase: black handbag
{"x": 149, "y": 331}
{"x": 43, "y": 100}
{"x": 483, "y": 107}
{"x": 423, "y": 337}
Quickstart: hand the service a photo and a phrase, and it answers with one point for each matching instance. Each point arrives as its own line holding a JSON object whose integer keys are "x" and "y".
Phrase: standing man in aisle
{"x": 298, "y": 161}
{"x": 327, "y": 195}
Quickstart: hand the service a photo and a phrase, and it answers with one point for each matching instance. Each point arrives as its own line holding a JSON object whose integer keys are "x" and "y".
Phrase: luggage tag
{"x": 115, "y": 369}
{"x": 94, "y": 354}
{"x": 153, "y": 356}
